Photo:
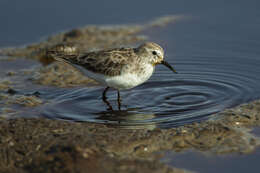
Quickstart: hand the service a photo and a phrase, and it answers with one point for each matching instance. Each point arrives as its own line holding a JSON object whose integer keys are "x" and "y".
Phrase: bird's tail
{"x": 62, "y": 52}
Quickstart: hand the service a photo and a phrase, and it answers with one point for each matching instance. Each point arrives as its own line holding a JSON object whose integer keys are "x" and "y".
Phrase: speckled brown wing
{"x": 107, "y": 62}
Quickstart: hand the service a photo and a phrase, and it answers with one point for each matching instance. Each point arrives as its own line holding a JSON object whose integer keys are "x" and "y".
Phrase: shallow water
{"x": 199, "y": 90}
{"x": 215, "y": 51}
{"x": 201, "y": 162}
{"x": 211, "y": 77}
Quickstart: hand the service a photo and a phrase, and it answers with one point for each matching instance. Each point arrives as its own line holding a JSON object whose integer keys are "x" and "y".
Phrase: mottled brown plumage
{"x": 113, "y": 62}
{"x": 107, "y": 62}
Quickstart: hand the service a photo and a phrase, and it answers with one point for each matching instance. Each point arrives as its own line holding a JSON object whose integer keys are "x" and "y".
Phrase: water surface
{"x": 216, "y": 53}
{"x": 215, "y": 73}
{"x": 201, "y": 162}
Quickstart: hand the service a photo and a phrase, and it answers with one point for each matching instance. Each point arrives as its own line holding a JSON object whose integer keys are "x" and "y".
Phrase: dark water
{"x": 216, "y": 52}
{"x": 201, "y": 162}
{"x": 166, "y": 100}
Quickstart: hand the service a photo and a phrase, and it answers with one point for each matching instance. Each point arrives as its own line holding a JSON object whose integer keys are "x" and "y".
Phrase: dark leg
{"x": 118, "y": 100}
{"x": 104, "y": 93}
{"x": 104, "y": 98}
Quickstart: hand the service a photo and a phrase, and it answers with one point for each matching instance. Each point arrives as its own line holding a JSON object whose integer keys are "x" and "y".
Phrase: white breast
{"x": 130, "y": 80}
{"x": 123, "y": 81}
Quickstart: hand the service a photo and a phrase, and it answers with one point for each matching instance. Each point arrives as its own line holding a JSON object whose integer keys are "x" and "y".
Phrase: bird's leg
{"x": 104, "y": 98}
{"x": 104, "y": 93}
{"x": 118, "y": 100}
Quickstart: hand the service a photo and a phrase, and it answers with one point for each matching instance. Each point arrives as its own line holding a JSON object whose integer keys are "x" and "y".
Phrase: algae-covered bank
{"x": 32, "y": 82}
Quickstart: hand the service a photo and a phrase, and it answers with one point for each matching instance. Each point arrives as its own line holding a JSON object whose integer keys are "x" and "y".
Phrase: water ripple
{"x": 200, "y": 89}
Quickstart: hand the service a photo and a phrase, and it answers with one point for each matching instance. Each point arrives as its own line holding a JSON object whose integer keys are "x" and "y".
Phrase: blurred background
{"x": 28, "y": 21}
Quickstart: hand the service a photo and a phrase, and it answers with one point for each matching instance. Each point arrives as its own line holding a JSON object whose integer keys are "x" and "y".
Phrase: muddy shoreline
{"x": 44, "y": 145}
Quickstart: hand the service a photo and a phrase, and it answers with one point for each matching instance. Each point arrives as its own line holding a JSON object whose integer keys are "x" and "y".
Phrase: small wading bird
{"x": 120, "y": 68}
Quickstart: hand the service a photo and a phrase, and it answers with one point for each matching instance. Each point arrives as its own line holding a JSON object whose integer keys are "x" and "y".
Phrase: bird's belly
{"x": 128, "y": 80}
{"x": 123, "y": 81}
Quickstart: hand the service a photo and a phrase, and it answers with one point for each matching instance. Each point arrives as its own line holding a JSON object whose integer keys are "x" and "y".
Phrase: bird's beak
{"x": 168, "y": 65}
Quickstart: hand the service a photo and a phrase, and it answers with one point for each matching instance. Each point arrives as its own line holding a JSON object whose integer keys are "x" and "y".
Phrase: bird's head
{"x": 154, "y": 54}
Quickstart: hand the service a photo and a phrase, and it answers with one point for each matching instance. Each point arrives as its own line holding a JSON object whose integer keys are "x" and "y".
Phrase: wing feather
{"x": 107, "y": 62}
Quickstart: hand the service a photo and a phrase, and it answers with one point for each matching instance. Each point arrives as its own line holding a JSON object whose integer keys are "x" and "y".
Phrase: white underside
{"x": 123, "y": 81}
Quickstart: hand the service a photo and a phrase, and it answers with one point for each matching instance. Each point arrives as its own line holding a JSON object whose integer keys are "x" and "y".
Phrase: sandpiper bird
{"x": 119, "y": 68}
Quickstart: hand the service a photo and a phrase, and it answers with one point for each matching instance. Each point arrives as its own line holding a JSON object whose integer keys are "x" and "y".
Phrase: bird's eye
{"x": 154, "y": 53}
